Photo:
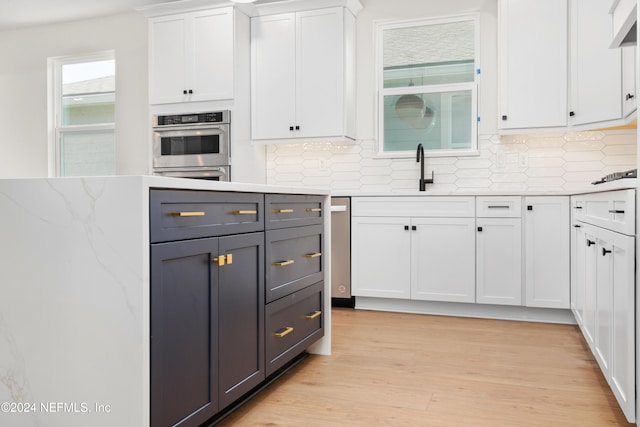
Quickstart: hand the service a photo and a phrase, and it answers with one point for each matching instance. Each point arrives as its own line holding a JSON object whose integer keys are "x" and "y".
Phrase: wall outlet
{"x": 523, "y": 160}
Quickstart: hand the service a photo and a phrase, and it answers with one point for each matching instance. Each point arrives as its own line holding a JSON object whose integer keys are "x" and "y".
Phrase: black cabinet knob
{"x": 297, "y": 127}
{"x": 414, "y": 228}
{"x": 184, "y": 92}
{"x": 571, "y": 113}
{"x": 577, "y": 226}
{"x": 190, "y": 91}
{"x": 605, "y": 251}
{"x": 406, "y": 228}
{"x": 291, "y": 128}
{"x": 590, "y": 242}
{"x": 504, "y": 117}
{"x": 629, "y": 96}
{"x": 479, "y": 228}
{"x": 529, "y": 207}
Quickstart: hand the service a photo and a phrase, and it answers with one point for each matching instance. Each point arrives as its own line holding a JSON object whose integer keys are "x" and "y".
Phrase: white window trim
{"x": 380, "y": 27}
{"x": 54, "y": 104}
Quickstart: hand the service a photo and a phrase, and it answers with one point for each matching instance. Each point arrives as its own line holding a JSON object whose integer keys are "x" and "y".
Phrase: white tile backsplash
{"x": 505, "y": 163}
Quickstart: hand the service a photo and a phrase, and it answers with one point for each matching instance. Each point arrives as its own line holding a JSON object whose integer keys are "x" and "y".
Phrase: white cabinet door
{"x": 167, "y": 59}
{"x": 273, "y": 76}
{"x": 191, "y": 56}
{"x": 320, "y": 72}
{"x": 211, "y": 63}
{"x": 499, "y": 261}
{"x": 533, "y": 63}
{"x": 590, "y": 278}
{"x": 381, "y": 262}
{"x": 616, "y": 316}
{"x": 629, "y": 104}
{"x": 443, "y": 259}
{"x": 578, "y": 265}
{"x": 547, "y": 247}
{"x": 596, "y": 70}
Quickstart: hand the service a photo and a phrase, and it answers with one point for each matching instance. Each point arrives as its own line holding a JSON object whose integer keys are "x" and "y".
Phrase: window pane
{"x": 87, "y": 153}
{"x": 438, "y": 120}
{"x": 429, "y": 54}
{"x": 88, "y": 93}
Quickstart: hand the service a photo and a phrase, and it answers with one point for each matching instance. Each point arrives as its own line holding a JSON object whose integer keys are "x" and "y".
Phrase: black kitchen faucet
{"x": 420, "y": 158}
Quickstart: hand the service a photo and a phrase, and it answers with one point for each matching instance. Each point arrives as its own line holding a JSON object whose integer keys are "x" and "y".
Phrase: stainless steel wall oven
{"x": 195, "y": 145}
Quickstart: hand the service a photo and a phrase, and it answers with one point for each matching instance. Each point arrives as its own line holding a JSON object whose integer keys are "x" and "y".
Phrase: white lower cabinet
{"x": 603, "y": 300}
{"x": 499, "y": 261}
{"x": 546, "y": 251}
{"x": 414, "y": 257}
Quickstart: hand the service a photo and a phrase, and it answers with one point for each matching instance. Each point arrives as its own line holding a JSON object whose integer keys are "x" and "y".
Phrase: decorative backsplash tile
{"x": 505, "y": 163}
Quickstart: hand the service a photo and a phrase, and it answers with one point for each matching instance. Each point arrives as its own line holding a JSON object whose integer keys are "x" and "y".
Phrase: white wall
{"x": 23, "y": 89}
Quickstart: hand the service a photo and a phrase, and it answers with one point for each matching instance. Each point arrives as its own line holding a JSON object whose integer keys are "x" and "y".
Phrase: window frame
{"x": 381, "y": 91}
{"x": 55, "y": 99}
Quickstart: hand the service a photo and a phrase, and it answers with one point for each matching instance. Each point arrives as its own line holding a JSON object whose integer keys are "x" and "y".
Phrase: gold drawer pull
{"x": 282, "y": 332}
{"x": 313, "y": 315}
{"x": 248, "y": 212}
{"x": 283, "y": 210}
{"x": 187, "y": 213}
{"x": 283, "y": 263}
{"x": 219, "y": 260}
{"x": 314, "y": 255}
{"x": 229, "y": 258}
{"x": 313, "y": 210}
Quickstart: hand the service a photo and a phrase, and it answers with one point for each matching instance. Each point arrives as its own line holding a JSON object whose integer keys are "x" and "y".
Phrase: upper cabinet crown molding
{"x": 624, "y": 14}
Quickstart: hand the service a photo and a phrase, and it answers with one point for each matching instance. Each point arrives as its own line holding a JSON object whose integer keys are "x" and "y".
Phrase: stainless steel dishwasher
{"x": 341, "y": 252}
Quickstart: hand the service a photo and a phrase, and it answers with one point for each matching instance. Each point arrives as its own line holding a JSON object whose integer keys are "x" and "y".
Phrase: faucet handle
{"x": 430, "y": 180}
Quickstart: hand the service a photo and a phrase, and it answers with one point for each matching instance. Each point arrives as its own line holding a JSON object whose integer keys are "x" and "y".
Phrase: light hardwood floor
{"x": 392, "y": 369}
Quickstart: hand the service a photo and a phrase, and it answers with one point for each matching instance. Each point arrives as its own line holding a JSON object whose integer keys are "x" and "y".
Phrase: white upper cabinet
{"x": 629, "y": 103}
{"x": 596, "y": 70}
{"x": 533, "y": 63}
{"x": 562, "y": 74}
{"x": 191, "y": 56}
{"x": 302, "y": 75}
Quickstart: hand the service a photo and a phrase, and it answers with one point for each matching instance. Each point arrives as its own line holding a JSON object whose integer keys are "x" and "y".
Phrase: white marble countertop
{"x": 621, "y": 184}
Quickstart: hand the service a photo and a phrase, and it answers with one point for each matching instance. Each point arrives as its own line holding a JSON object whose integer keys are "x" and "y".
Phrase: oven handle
{"x": 221, "y": 126}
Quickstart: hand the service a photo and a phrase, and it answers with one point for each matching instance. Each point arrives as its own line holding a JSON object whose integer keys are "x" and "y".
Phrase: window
{"x": 427, "y": 88}
{"x": 82, "y": 109}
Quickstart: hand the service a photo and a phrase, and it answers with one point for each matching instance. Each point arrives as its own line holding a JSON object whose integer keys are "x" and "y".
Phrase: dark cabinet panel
{"x": 241, "y": 314}
{"x": 184, "y": 300}
{"x": 292, "y": 324}
{"x": 294, "y": 259}
{"x": 292, "y": 210}
{"x": 181, "y": 214}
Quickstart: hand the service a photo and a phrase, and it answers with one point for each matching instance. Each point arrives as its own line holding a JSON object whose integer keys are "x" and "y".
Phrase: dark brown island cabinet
{"x": 236, "y": 295}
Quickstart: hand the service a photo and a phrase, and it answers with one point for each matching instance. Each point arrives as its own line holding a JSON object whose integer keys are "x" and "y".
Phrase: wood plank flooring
{"x": 393, "y": 369}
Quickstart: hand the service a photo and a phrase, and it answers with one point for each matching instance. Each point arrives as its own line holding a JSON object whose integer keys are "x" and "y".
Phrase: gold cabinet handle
{"x": 229, "y": 259}
{"x": 219, "y": 260}
{"x": 283, "y": 263}
{"x": 187, "y": 214}
{"x": 314, "y": 255}
{"x": 313, "y": 210}
{"x": 283, "y": 210}
{"x": 282, "y": 332}
{"x": 247, "y": 212}
{"x": 313, "y": 315}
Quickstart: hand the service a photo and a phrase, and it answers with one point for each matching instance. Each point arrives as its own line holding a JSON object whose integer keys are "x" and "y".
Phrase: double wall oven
{"x": 192, "y": 145}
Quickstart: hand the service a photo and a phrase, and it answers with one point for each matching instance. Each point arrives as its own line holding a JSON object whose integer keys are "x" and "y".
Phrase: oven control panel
{"x": 211, "y": 117}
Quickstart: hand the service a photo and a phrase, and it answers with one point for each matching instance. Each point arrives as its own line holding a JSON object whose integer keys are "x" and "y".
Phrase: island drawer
{"x": 292, "y": 324}
{"x": 293, "y": 258}
{"x": 293, "y": 210}
{"x": 189, "y": 214}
